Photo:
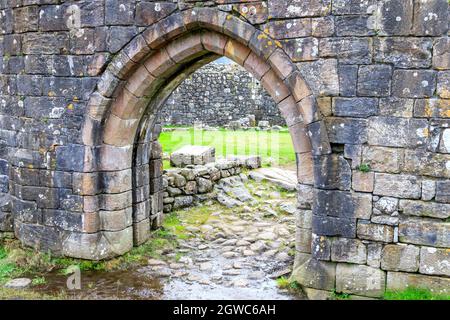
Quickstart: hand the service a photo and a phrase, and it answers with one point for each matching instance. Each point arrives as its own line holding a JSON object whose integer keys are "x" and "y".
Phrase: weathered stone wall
{"x": 184, "y": 187}
{"x": 221, "y": 89}
{"x": 374, "y": 163}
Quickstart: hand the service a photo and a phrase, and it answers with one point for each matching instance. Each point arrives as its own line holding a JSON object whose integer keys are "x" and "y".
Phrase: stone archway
{"x": 368, "y": 198}
{"x": 119, "y": 124}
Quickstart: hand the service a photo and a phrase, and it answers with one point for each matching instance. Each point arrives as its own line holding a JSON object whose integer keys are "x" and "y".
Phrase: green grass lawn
{"x": 415, "y": 294}
{"x": 274, "y": 147}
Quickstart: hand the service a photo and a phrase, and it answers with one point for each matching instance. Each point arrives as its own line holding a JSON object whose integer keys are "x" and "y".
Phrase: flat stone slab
{"x": 19, "y": 283}
{"x": 285, "y": 179}
{"x": 249, "y": 162}
{"x": 193, "y": 155}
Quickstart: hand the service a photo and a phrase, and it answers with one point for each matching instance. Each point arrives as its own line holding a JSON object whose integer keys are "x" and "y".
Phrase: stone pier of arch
{"x": 362, "y": 85}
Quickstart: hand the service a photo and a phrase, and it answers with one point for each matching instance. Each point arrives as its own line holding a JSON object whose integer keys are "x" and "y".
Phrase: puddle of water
{"x": 123, "y": 285}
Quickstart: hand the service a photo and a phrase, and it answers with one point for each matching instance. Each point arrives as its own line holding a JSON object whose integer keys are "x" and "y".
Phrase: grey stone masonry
{"x": 363, "y": 86}
{"x": 220, "y": 88}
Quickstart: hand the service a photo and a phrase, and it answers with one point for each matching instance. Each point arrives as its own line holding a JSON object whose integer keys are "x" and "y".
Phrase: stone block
{"x": 281, "y": 64}
{"x": 298, "y": 86}
{"x": 64, "y": 220}
{"x": 319, "y": 139}
{"x": 334, "y": 172}
{"x": 396, "y": 107}
{"x": 274, "y": 86}
{"x": 436, "y": 108}
{"x": 255, "y": 13}
{"x": 443, "y": 191}
{"x": 347, "y": 130}
{"x": 214, "y": 42}
{"x": 334, "y": 203}
{"x": 303, "y": 219}
{"x": 374, "y": 80}
{"x": 425, "y": 209}
{"x": 355, "y": 107}
{"x": 348, "y": 77}
{"x": 353, "y": 25}
{"x": 333, "y": 226}
{"x": 441, "y": 53}
{"x": 303, "y": 238}
{"x": 383, "y": 159}
{"x": 346, "y": 50}
{"x": 345, "y": 7}
{"x": 320, "y": 247}
{"x": 428, "y": 190}
{"x": 363, "y": 181}
{"x": 302, "y": 49}
{"x": 425, "y": 232}
{"x": 427, "y": 163}
{"x": 256, "y": 66}
{"x": 141, "y": 232}
{"x": 360, "y": 280}
{"x": 316, "y": 274}
{"x": 434, "y": 261}
{"x": 115, "y": 220}
{"x": 188, "y": 155}
{"x": 408, "y": 132}
{"x": 292, "y": 28}
{"x": 42, "y": 238}
{"x": 305, "y": 196}
{"x": 321, "y": 76}
{"x": 288, "y": 9}
{"x": 185, "y": 48}
{"x": 348, "y": 250}
{"x": 401, "y": 186}
{"x": 236, "y": 51}
{"x": 374, "y": 254}
{"x": 149, "y": 13}
{"x": 375, "y": 232}
{"x": 433, "y": 15}
{"x": 394, "y": 18}
{"x": 262, "y": 45}
{"x": 413, "y": 83}
{"x": 322, "y": 26}
{"x": 400, "y": 258}
{"x": 399, "y": 281}
{"x": 413, "y": 53}
{"x": 443, "y": 84}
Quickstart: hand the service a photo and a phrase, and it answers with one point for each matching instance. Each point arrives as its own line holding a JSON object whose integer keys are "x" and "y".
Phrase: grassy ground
{"x": 414, "y": 294}
{"x": 275, "y": 147}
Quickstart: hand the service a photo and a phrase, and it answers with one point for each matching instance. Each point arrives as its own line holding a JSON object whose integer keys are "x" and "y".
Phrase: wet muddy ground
{"x": 222, "y": 253}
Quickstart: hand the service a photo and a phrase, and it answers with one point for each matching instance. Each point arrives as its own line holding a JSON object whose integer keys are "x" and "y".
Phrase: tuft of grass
{"x": 292, "y": 286}
{"x": 37, "y": 281}
{"x": 340, "y": 295}
{"x": 283, "y": 283}
{"x": 364, "y": 167}
{"x": 413, "y": 293}
{"x": 8, "y": 294}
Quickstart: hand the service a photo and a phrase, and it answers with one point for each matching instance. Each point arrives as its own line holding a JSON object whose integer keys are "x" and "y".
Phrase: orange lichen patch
{"x": 270, "y": 43}
{"x": 266, "y": 30}
{"x": 428, "y": 109}
{"x": 425, "y": 132}
{"x": 278, "y": 44}
{"x": 70, "y": 106}
{"x": 229, "y": 17}
{"x": 51, "y": 94}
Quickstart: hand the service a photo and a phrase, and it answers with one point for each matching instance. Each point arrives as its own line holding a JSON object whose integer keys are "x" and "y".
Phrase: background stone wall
{"x": 375, "y": 216}
{"x": 217, "y": 94}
